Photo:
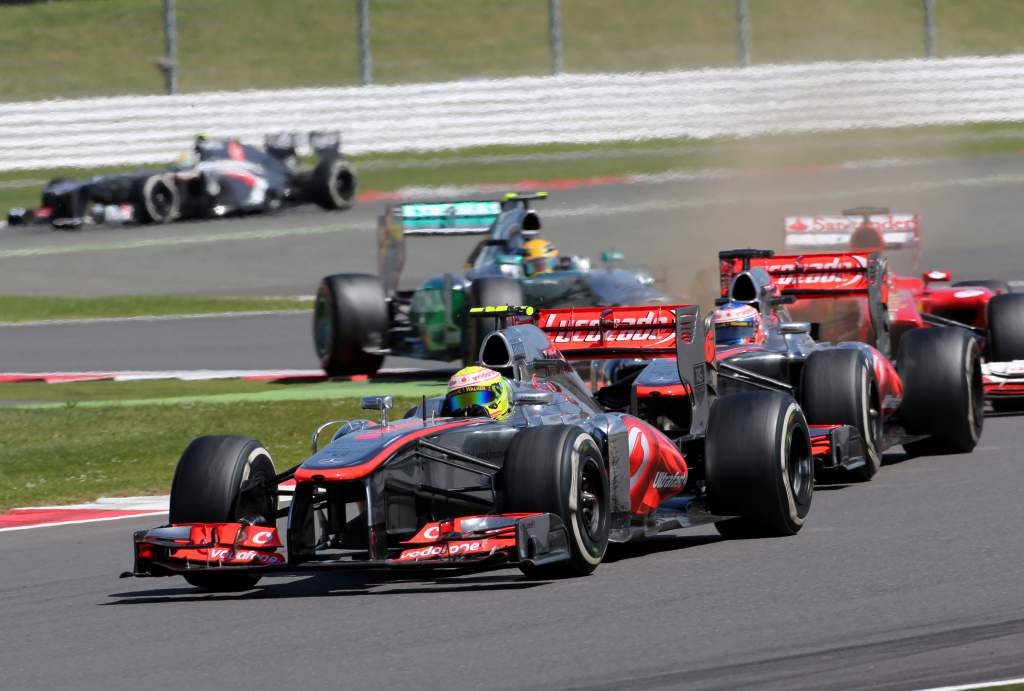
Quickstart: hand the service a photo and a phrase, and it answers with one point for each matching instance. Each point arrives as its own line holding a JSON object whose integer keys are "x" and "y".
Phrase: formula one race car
{"x": 360, "y": 318}
{"x": 544, "y": 488}
{"x": 929, "y": 400}
{"x": 987, "y": 307}
{"x": 222, "y": 177}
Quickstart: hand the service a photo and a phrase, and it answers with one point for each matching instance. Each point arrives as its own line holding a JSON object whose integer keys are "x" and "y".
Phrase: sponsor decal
{"x": 452, "y": 549}
{"x": 245, "y": 555}
{"x": 971, "y": 293}
{"x": 663, "y": 480}
{"x": 622, "y": 330}
{"x": 262, "y": 537}
{"x": 483, "y": 376}
{"x": 796, "y": 225}
{"x": 834, "y": 273}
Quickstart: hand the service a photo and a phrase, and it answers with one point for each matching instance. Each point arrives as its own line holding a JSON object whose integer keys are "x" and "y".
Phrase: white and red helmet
{"x": 737, "y": 323}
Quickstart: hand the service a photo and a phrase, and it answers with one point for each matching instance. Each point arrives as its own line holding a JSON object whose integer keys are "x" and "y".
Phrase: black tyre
{"x": 838, "y": 388}
{"x": 350, "y": 324}
{"x": 208, "y": 488}
{"x": 155, "y": 199}
{"x": 992, "y": 284}
{"x": 559, "y": 469}
{"x": 1006, "y": 328}
{"x": 484, "y": 292}
{"x": 759, "y": 464}
{"x": 334, "y": 184}
{"x": 942, "y": 391}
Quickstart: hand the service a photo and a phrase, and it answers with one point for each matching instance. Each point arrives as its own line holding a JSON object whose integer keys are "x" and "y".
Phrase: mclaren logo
{"x": 663, "y": 480}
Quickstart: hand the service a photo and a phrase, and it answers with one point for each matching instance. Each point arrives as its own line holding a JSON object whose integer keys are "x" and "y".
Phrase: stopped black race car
{"x": 221, "y": 177}
{"x": 360, "y": 318}
{"x": 545, "y": 489}
{"x": 929, "y": 397}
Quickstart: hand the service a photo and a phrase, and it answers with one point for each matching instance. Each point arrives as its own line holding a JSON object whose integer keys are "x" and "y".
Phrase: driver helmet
{"x": 477, "y": 392}
{"x": 541, "y": 257}
{"x": 737, "y": 323}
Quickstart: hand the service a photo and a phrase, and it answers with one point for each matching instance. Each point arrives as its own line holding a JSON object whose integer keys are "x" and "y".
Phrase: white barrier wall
{"x": 526, "y": 110}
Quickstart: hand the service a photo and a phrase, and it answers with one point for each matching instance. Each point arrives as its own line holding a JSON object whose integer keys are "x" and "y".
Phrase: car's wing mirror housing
{"x": 534, "y": 397}
{"x": 937, "y": 276}
{"x": 794, "y": 328}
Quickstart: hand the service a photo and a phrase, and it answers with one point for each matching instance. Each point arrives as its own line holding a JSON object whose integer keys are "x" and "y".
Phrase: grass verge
{"x": 66, "y": 443}
{"x": 511, "y": 164}
{"x": 71, "y": 454}
{"x": 25, "y": 308}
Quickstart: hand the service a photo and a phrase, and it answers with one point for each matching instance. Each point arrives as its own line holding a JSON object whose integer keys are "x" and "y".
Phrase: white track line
{"x": 983, "y": 685}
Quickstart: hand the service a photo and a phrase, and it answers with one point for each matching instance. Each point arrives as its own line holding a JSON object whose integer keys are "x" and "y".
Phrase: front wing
{"x": 1003, "y": 380}
{"x": 485, "y": 541}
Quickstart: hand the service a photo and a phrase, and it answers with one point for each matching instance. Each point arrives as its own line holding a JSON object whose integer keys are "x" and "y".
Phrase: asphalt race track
{"x": 909, "y": 581}
{"x": 971, "y": 224}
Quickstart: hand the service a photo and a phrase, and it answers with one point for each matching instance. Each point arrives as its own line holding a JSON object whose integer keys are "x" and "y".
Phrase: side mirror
{"x": 937, "y": 276}
{"x": 793, "y": 328}
{"x": 381, "y": 403}
{"x": 534, "y": 397}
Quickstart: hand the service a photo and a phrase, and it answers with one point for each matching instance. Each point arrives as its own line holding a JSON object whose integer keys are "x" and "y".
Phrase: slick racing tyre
{"x": 218, "y": 481}
{"x": 155, "y": 199}
{"x": 839, "y": 388}
{"x": 350, "y": 324}
{"x": 487, "y": 292}
{"x": 334, "y": 185}
{"x": 759, "y": 464}
{"x": 942, "y": 390}
{"x": 559, "y": 469}
{"x": 1006, "y": 328}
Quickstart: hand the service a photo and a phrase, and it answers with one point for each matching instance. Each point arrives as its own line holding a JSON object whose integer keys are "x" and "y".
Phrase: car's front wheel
{"x": 224, "y": 479}
{"x": 559, "y": 469}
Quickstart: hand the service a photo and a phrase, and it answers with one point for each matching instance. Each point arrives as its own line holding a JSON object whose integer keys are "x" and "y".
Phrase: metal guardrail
{"x": 707, "y": 103}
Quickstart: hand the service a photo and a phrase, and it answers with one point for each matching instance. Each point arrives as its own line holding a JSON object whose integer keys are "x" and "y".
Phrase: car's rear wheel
{"x": 334, "y": 184}
{"x": 559, "y": 469}
{"x": 943, "y": 395}
{"x": 350, "y": 324}
{"x": 224, "y": 479}
{"x": 838, "y": 388}
{"x": 759, "y": 464}
{"x": 1006, "y": 328}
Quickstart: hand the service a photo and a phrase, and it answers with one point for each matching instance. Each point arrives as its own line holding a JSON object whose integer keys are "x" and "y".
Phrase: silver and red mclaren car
{"x": 545, "y": 489}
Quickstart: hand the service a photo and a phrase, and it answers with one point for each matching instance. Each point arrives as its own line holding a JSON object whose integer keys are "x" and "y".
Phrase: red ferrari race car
{"x": 929, "y": 399}
{"x": 544, "y": 486}
{"x": 986, "y": 306}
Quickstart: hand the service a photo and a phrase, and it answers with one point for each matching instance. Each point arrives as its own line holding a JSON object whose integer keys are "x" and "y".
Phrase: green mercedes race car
{"x": 361, "y": 318}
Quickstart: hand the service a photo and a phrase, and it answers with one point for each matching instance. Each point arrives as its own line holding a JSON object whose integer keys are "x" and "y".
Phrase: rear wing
{"x": 324, "y": 144}
{"x": 602, "y": 333}
{"x": 864, "y": 228}
{"x": 437, "y": 219}
{"x": 819, "y": 276}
